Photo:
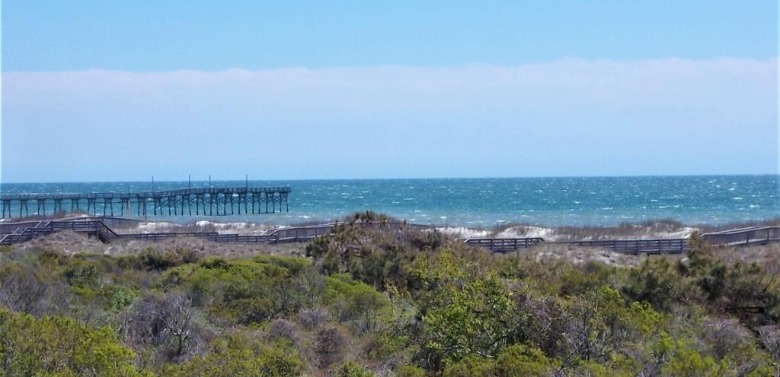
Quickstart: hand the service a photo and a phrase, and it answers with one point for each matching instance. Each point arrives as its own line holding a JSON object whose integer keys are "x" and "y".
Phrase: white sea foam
{"x": 155, "y": 227}
{"x": 243, "y": 228}
{"x": 679, "y": 233}
{"x": 553, "y": 234}
{"x": 646, "y": 233}
{"x": 527, "y": 232}
{"x": 464, "y": 233}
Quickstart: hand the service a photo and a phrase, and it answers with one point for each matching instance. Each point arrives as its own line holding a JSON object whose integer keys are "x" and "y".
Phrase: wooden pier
{"x": 205, "y": 202}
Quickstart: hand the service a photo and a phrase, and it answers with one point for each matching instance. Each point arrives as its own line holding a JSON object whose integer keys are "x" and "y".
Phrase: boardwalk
{"x": 95, "y": 227}
{"x": 11, "y": 233}
{"x": 198, "y": 201}
{"x": 657, "y": 246}
{"x": 745, "y": 236}
{"x": 736, "y": 237}
{"x": 16, "y": 232}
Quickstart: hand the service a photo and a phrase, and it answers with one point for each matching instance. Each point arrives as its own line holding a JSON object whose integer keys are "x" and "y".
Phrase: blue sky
{"x": 352, "y": 89}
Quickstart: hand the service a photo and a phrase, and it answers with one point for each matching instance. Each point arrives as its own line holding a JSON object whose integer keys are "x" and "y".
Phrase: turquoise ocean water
{"x": 488, "y": 202}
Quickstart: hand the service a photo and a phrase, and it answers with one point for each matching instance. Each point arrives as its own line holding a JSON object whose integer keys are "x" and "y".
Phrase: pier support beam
{"x": 178, "y": 202}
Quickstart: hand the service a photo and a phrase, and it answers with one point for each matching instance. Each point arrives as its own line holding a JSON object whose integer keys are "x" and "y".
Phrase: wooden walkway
{"x": 636, "y": 246}
{"x": 735, "y": 237}
{"x": 745, "y": 236}
{"x": 504, "y": 245}
{"x": 96, "y": 228}
{"x": 11, "y": 233}
{"x": 204, "y": 201}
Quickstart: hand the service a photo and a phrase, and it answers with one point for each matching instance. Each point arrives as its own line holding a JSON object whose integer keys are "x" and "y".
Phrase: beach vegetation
{"x": 377, "y": 297}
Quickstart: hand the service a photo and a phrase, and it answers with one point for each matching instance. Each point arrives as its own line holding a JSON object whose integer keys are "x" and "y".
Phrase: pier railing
{"x": 206, "y": 202}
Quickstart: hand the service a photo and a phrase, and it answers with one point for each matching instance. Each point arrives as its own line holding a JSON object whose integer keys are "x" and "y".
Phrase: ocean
{"x": 490, "y": 202}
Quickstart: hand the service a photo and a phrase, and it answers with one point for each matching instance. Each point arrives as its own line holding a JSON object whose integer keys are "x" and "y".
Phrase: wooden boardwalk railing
{"x": 93, "y": 228}
{"x": 736, "y": 237}
{"x": 20, "y": 232}
{"x": 97, "y": 229}
{"x": 745, "y": 236}
{"x": 657, "y": 246}
{"x": 504, "y": 245}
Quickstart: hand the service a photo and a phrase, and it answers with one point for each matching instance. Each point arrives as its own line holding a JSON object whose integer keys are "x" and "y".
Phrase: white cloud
{"x": 553, "y": 109}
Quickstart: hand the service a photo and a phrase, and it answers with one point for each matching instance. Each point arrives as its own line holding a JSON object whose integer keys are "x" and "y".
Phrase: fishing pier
{"x": 198, "y": 201}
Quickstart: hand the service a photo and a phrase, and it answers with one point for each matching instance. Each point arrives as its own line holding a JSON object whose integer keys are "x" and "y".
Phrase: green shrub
{"x": 60, "y": 346}
{"x": 477, "y": 319}
{"x": 656, "y": 281}
{"x": 410, "y": 371}
{"x": 352, "y": 369}
{"x": 81, "y": 274}
{"x": 247, "y": 291}
{"x": 516, "y": 360}
{"x": 354, "y": 301}
{"x": 238, "y": 356}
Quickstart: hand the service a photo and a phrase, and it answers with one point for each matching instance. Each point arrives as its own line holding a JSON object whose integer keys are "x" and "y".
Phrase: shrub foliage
{"x": 379, "y": 298}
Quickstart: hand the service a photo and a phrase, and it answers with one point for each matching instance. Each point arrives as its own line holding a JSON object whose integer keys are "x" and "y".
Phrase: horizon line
{"x": 404, "y": 178}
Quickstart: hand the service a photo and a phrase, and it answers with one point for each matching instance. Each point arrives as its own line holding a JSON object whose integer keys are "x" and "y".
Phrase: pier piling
{"x": 177, "y": 202}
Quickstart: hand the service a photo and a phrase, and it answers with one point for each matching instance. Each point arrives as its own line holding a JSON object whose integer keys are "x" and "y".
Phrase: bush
{"x": 354, "y": 302}
{"x": 239, "y": 356}
{"x": 60, "y": 346}
{"x": 516, "y": 360}
{"x": 657, "y": 282}
{"x": 27, "y": 288}
{"x": 246, "y": 291}
{"x": 352, "y": 369}
{"x": 282, "y": 329}
{"x": 410, "y": 371}
{"x": 330, "y": 346}
{"x": 314, "y": 318}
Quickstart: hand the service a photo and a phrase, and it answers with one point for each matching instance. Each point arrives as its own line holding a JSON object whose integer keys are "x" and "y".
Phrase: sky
{"x": 284, "y": 90}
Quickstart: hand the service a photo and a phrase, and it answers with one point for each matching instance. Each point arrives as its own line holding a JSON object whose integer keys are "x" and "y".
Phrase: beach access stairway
{"x": 11, "y": 233}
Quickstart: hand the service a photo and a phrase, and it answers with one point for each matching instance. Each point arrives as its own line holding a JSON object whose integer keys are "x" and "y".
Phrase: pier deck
{"x": 205, "y": 202}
